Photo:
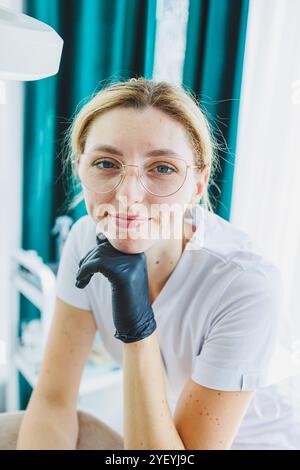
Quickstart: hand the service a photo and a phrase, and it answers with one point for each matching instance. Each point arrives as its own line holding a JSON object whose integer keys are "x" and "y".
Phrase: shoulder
{"x": 230, "y": 245}
{"x": 82, "y": 235}
{"x": 256, "y": 285}
{"x": 251, "y": 269}
{"x": 248, "y": 307}
{"x": 83, "y": 224}
{"x": 231, "y": 267}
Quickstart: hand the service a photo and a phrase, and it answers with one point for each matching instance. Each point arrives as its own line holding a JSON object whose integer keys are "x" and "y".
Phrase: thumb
{"x": 100, "y": 238}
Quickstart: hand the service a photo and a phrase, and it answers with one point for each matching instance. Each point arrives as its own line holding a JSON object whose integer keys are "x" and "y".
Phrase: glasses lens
{"x": 100, "y": 174}
{"x": 163, "y": 177}
{"x": 160, "y": 176}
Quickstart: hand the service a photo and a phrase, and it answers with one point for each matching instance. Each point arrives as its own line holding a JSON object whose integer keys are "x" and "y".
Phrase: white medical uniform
{"x": 217, "y": 322}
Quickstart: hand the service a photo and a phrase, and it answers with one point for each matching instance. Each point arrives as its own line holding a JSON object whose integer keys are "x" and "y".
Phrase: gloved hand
{"x": 132, "y": 312}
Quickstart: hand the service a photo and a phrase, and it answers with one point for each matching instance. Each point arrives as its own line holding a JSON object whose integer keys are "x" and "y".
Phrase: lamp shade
{"x": 29, "y": 48}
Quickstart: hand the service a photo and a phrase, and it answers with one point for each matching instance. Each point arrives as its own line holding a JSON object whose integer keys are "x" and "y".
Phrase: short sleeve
{"x": 241, "y": 339}
{"x": 67, "y": 270}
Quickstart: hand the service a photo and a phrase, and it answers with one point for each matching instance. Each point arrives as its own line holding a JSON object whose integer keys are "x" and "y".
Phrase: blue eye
{"x": 165, "y": 169}
{"x": 108, "y": 165}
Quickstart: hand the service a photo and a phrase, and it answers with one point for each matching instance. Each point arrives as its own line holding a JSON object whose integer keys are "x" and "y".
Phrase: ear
{"x": 201, "y": 183}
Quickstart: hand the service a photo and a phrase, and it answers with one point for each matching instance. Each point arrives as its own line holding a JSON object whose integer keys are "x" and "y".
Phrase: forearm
{"x": 148, "y": 422}
{"x": 47, "y": 426}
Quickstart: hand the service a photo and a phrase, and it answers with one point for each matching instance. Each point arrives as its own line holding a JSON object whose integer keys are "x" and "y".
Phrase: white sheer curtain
{"x": 172, "y": 18}
{"x": 266, "y": 196}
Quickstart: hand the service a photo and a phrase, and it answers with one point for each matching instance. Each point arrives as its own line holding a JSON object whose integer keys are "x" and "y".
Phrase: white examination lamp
{"x": 29, "y": 49}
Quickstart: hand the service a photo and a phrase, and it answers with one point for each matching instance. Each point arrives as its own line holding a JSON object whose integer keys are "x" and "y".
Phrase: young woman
{"x": 181, "y": 298}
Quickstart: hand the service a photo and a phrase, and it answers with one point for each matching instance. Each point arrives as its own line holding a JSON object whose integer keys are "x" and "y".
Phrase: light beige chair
{"x": 93, "y": 434}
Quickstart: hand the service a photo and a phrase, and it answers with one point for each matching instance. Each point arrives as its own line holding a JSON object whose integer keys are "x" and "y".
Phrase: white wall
{"x": 11, "y": 140}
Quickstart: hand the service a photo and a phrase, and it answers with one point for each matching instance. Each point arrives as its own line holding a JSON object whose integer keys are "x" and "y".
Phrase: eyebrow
{"x": 151, "y": 153}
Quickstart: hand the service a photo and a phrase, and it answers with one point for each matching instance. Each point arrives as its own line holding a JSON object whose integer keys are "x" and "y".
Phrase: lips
{"x": 129, "y": 217}
{"x": 128, "y": 221}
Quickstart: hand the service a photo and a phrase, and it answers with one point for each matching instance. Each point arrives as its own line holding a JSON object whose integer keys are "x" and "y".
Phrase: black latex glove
{"x": 132, "y": 312}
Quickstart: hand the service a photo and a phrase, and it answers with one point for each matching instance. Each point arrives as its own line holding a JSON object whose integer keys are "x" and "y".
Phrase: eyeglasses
{"x": 160, "y": 176}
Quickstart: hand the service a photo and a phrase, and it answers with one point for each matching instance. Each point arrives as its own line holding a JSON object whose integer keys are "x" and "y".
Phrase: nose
{"x": 131, "y": 187}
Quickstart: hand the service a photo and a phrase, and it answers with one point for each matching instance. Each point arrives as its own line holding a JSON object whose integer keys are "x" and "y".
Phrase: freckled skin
{"x": 210, "y": 417}
{"x": 217, "y": 420}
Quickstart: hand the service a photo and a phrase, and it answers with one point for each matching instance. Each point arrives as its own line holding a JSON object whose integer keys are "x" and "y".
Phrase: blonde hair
{"x": 140, "y": 93}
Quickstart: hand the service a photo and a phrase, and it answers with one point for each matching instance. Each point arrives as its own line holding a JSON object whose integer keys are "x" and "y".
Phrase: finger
{"x": 87, "y": 256}
{"x": 90, "y": 254}
{"x": 88, "y": 268}
{"x": 84, "y": 258}
{"x": 83, "y": 283}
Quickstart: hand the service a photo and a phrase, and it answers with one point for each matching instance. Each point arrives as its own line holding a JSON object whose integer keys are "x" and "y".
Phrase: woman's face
{"x": 134, "y": 133}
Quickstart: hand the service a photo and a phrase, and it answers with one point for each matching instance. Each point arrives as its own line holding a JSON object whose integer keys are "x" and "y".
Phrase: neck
{"x": 162, "y": 259}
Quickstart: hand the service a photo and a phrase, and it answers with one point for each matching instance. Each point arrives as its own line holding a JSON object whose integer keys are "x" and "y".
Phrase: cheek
{"x": 96, "y": 205}
{"x": 180, "y": 200}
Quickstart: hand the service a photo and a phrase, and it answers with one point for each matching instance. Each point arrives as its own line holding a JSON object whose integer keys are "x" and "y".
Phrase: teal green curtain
{"x": 104, "y": 40}
{"x": 215, "y": 44}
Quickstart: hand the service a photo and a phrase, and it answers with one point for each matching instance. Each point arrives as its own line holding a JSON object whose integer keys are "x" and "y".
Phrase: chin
{"x": 130, "y": 245}
{"x": 128, "y": 240}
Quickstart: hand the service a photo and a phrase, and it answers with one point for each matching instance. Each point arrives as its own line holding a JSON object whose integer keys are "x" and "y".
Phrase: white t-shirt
{"x": 217, "y": 321}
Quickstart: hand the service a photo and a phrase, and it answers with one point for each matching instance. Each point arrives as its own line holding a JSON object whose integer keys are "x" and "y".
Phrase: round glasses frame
{"x": 124, "y": 166}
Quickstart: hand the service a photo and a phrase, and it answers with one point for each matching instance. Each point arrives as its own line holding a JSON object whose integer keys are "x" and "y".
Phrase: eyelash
{"x": 161, "y": 164}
